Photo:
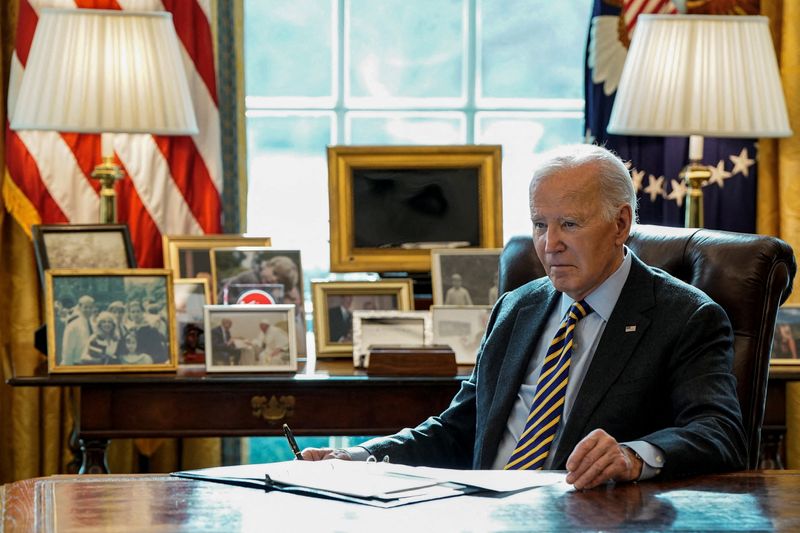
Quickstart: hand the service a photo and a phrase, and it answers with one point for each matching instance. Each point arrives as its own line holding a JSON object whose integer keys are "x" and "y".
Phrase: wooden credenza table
{"x": 322, "y": 398}
{"x": 748, "y": 501}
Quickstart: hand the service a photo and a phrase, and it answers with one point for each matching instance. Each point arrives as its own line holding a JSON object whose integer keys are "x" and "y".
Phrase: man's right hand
{"x": 320, "y": 454}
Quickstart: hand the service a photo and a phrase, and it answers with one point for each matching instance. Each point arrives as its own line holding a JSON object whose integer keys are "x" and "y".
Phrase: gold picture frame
{"x": 327, "y": 295}
{"x": 786, "y": 340}
{"x": 140, "y": 339}
{"x": 371, "y": 235}
{"x": 193, "y": 246}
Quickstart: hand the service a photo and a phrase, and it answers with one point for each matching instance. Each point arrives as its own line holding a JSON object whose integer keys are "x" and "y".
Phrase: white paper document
{"x": 382, "y": 484}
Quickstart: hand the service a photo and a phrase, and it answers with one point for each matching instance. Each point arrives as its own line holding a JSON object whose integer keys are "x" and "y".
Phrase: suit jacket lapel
{"x": 527, "y": 329}
{"x": 615, "y": 348}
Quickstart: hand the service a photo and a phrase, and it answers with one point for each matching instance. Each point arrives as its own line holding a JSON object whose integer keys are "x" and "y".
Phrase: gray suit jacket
{"x": 667, "y": 382}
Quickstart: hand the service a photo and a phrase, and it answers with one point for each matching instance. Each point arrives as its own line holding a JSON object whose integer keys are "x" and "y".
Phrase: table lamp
{"x": 700, "y": 75}
{"x": 104, "y": 71}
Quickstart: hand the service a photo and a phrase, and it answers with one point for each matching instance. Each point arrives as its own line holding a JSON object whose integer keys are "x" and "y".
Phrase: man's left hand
{"x": 599, "y": 459}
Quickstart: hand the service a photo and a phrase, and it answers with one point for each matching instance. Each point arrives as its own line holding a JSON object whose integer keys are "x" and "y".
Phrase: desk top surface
{"x": 748, "y": 501}
{"x": 309, "y": 370}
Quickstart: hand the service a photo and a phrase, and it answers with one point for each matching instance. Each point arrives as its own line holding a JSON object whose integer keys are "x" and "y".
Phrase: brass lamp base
{"x": 695, "y": 176}
{"x": 107, "y": 173}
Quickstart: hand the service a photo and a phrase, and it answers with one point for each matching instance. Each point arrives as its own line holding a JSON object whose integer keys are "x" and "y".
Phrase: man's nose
{"x": 552, "y": 239}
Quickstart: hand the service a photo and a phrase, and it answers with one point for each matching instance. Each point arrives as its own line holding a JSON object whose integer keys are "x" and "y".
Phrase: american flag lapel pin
{"x": 630, "y": 329}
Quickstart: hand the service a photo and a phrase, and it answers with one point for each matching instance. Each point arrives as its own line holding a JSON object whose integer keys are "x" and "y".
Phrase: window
{"x": 322, "y": 72}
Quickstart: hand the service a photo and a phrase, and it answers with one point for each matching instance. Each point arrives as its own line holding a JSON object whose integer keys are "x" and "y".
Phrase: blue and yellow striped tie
{"x": 548, "y": 402}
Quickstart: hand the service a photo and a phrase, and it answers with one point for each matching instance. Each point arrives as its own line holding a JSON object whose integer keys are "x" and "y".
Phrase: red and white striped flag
{"x": 631, "y": 9}
{"x": 172, "y": 185}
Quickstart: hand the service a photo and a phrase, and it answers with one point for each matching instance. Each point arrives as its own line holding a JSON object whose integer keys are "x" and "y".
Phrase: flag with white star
{"x": 656, "y": 162}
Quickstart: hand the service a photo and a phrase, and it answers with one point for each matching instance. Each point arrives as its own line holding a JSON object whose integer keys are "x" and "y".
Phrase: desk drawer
{"x": 356, "y": 408}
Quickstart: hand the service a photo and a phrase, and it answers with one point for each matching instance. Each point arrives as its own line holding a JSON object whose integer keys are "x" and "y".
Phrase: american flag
{"x": 172, "y": 185}
{"x": 730, "y": 196}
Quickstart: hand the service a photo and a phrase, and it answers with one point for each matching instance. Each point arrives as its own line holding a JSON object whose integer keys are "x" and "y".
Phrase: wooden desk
{"x": 751, "y": 501}
{"x": 329, "y": 398}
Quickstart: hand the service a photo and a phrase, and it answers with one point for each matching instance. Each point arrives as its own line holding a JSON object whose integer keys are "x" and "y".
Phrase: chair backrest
{"x": 750, "y": 276}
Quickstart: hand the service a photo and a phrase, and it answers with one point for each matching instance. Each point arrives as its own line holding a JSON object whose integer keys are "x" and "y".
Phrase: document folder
{"x": 376, "y": 484}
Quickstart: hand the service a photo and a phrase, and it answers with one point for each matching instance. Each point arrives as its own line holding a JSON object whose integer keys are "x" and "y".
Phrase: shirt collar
{"x": 603, "y": 299}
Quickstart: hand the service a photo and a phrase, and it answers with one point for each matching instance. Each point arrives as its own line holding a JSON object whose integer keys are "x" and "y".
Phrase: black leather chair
{"x": 750, "y": 276}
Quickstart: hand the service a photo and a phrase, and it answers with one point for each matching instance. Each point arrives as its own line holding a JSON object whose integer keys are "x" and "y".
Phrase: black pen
{"x": 292, "y": 442}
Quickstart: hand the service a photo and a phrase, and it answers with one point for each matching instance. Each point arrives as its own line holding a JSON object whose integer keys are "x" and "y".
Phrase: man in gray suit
{"x": 607, "y": 368}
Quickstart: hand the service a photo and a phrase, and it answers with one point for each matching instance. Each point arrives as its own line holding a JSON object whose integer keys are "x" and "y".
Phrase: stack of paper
{"x": 378, "y": 484}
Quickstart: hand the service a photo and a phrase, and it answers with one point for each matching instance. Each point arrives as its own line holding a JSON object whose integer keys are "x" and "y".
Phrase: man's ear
{"x": 623, "y": 221}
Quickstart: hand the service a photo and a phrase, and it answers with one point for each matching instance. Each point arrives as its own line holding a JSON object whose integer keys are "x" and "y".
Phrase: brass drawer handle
{"x": 274, "y": 410}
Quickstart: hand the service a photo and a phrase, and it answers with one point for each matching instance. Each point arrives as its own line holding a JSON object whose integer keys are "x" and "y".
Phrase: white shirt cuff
{"x": 652, "y": 457}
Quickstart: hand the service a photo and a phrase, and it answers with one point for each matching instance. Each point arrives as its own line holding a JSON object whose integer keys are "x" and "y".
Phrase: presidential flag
{"x": 172, "y": 185}
{"x": 730, "y": 195}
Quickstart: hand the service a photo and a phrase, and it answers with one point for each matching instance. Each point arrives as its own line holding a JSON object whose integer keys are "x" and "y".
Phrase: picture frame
{"x": 82, "y": 246}
{"x": 263, "y": 271}
{"x": 389, "y": 328}
{"x": 189, "y": 256}
{"x": 461, "y": 327}
{"x": 465, "y": 277}
{"x": 248, "y": 347}
{"x": 390, "y": 204}
{"x": 334, "y": 336}
{"x": 191, "y": 295}
{"x": 786, "y": 340}
{"x": 110, "y": 320}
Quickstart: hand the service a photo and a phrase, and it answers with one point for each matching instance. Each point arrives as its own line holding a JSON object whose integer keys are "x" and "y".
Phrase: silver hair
{"x": 616, "y": 185}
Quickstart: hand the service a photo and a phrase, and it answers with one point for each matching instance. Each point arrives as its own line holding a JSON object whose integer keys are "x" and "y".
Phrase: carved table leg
{"x": 94, "y": 456}
{"x": 74, "y": 466}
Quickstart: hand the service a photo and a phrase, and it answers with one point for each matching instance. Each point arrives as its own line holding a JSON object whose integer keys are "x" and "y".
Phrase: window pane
{"x": 405, "y": 128}
{"x": 522, "y": 135}
{"x": 289, "y": 48}
{"x": 405, "y": 49}
{"x": 532, "y": 48}
{"x": 288, "y": 183}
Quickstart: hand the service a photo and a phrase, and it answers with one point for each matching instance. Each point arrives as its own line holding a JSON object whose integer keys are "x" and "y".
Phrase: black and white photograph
{"x": 110, "y": 320}
{"x": 388, "y": 328}
{"x": 336, "y": 301}
{"x": 464, "y": 277}
{"x": 191, "y": 294}
{"x": 460, "y": 327}
{"x": 82, "y": 246}
{"x": 250, "y": 338}
{"x": 248, "y": 275}
{"x": 786, "y": 343}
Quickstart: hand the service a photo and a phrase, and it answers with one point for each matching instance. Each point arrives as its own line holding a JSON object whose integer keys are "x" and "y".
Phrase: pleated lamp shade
{"x": 700, "y": 75}
{"x": 104, "y": 71}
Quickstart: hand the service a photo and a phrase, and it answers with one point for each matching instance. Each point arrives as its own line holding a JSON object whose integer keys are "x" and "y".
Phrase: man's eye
{"x": 570, "y": 225}
{"x": 539, "y": 225}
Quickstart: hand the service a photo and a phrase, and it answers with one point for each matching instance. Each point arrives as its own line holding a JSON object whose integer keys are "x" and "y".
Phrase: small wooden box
{"x": 437, "y": 360}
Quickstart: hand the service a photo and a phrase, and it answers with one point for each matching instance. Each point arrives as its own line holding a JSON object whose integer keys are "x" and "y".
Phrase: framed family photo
{"x": 189, "y": 256}
{"x": 191, "y": 295}
{"x": 388, "y": 328}
{"x": 465, "y": 277}
{"x": 786, "y": 342}
{"x": 460, "y": 327}
{"x": 259, "y": 275}
{"x": 389, "y": 205}
{"x": 82, "y": 246}
{"x": 250, "y": 338}
{"x": 336, "y": 301}
{"x": 119, "y": 320}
